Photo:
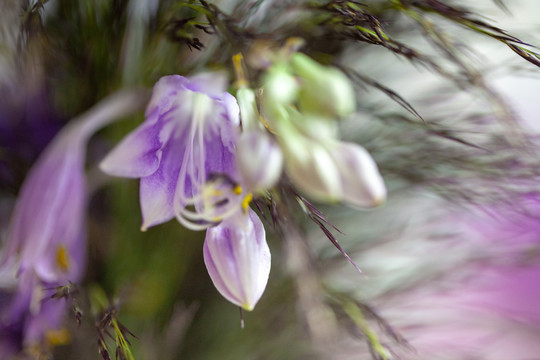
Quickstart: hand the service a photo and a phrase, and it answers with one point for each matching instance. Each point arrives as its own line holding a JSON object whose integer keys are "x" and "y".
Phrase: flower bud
{"x": 315, "y": 127}
{"x": 334, "y": 171}
{"x": 259, "y": 160}
{"x": 280, "y": 86}
{"x": 324, "y": 90}
{"x": 279, "y": 92}
{"x": 237, "y": 258}
{"x": 361, "y": 182}
{"x": 311, "y": 169}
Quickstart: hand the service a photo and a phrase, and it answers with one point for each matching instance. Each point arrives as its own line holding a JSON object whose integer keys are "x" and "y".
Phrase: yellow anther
{"x": 57, "y": 337}
{"x": 62, "y": 258}
{"x": 239, "y": 69}
{"x": 246, "y": 201}
{"x": 237, "y": 190}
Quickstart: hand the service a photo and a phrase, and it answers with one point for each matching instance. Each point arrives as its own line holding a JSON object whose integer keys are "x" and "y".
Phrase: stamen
{"x": 246, "y": 201}
{"x": 62, "y": 258}
{"x": 237, "y": 190}
{"x": 238, "y": 64}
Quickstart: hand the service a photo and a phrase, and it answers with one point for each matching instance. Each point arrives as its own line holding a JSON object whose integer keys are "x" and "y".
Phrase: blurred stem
{"x": 319, "y": 318}
{"x": 356, "y": 315}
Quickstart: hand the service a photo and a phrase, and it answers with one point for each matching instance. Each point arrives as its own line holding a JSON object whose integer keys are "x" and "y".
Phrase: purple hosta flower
{"x": 46, "y": 241}
{"x": 184, "y": 153}
{"x": 492, "y": 315}
{"x": 238, "y": 258}
{"x": 47, "y": 238}
{"x": 47, "y": 230}
{"x": 480, "y": 302}
{"x": 30, "y": 318}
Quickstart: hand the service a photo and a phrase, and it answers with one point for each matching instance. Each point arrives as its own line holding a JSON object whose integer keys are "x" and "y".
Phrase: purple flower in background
{"x": 30, "y": 318}
{"x": 184, "y": 153}
{"x": 237, "y": 258}
{"x": 492, "y": 315}
{"x": 46, "y": 240}
{"x": 485, "y": 305}
{"x": 47, "y": 229}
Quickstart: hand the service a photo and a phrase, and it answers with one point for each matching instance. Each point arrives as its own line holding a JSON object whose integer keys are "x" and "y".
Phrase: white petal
{"x": 363, "y": 185}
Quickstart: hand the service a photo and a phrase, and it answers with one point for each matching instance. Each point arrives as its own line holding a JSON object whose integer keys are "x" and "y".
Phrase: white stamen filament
{"x": 206, "y": 212}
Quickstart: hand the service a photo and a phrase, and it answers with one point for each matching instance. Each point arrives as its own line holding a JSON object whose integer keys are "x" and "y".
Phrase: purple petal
{"x": 219, "y": 158}
{"x": 163, "y": 96}
{"x": 18, "y": 302}
{"x": 50, "y": 212}
{"x": 157, "y": 190}
{"x": 49, "y": 317}
{"x": 237, "y": 258}
{"x": 212, "y": 84}
{"x": 138, "y": 154}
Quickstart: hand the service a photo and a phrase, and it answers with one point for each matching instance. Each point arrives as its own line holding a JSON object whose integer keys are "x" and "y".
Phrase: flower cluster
{"x": 203, "y": 154}
{"x": 301, "y": 100}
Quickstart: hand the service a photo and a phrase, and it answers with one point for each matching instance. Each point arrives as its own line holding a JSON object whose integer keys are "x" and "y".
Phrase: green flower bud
{"x": 280, "y": 87}
{"x": 325, "y": 90}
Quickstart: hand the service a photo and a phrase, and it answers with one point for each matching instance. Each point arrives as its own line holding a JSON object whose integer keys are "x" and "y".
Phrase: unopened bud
{"x": 259, "y": 160}
{"x": 280, "y": 86}
{"x": 334, "y": 171}
{"x": 324, "y": 90}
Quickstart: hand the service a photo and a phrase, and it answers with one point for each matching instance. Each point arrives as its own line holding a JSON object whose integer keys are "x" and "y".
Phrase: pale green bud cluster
{"x": 301, "y": 99}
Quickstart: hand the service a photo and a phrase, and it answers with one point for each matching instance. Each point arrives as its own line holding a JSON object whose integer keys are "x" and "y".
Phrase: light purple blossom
{"x": 47, "y": 231}
{"x": 185, "y": 155}
{"x": 482, "y": 301}
{"x": 237, "y": 258}
{"x": 188, "y": 137}
{"x": 46, "y": 240}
